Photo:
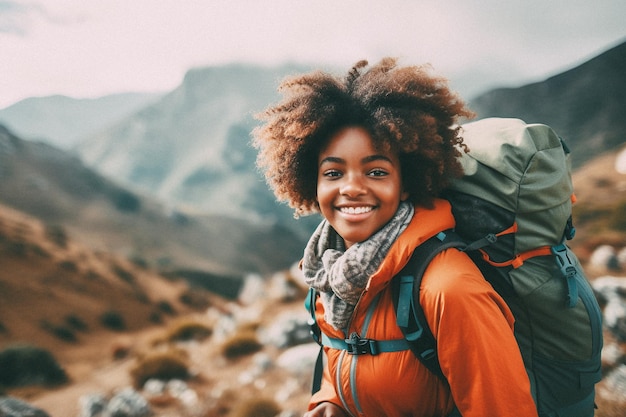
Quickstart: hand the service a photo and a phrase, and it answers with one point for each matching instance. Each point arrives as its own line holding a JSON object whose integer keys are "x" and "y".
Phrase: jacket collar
{"x": 425, "y": 224}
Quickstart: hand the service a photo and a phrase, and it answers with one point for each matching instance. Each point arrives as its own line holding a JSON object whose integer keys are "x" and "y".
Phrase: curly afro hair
{"x": 405, "y": 109}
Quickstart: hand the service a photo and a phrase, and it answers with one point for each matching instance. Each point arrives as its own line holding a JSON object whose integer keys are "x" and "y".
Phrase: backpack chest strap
{"x": 355, "y": 345}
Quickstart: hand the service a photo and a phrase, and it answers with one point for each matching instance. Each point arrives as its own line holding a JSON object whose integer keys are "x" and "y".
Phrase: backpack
{"x": 513, "y": 216}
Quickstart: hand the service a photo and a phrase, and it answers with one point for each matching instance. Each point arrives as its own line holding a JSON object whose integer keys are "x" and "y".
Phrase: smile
{"x": 356, "y": 210}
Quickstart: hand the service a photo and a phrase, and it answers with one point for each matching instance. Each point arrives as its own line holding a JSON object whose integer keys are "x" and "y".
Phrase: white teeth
{"x": 355, "y": 210}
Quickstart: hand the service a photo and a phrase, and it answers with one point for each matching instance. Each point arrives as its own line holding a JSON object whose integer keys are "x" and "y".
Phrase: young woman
{"x": 371, "y": 153}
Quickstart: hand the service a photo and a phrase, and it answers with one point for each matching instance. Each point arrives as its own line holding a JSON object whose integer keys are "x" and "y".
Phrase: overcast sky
{"x": 89, "y": 48}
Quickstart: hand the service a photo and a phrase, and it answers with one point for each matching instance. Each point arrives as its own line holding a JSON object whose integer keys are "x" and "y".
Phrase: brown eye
{"x": 378, "y": 173}
{"x": 331, "y": 173}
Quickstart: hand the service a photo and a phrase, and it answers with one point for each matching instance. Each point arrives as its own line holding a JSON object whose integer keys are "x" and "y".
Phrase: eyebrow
{"x": 367, "y": 159}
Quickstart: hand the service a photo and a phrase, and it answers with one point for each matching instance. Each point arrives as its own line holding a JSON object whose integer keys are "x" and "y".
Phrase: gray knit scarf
{"x": 341, "y": 275}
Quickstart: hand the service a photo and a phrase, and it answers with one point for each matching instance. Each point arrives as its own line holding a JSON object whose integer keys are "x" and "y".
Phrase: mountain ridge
{"x": 212, "y": 168}
{"x": 583, "y": 104}
{"x": 63, "y": 120}
{"x": 192, "y": 147}
{"x": 57, "y": 188}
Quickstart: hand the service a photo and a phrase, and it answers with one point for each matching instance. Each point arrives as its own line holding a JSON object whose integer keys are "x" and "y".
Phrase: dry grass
{"x": 188, "y": 329}
{"x": 24, "y": 364}
{"x": 242, "y": 343}
{"x": 171, "y": 363}
{"x": 256, "y": 407}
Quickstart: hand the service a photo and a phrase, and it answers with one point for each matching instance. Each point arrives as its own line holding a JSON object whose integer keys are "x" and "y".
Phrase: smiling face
{"x": 359, "y": 188}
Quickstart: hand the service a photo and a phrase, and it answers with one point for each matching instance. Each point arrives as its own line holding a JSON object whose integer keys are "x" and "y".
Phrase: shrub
{"x": 138, "y": 261}
{"x": 126, "y": 201}
{"x": 195, "y": 298}
{"x": 256, "y": 407}
{"x": 57, "y": 235}
{"x": 617, "y": 219}
{"x": 165, "y": 307}
{"x": 76, "y": 323}
{"x": 92, "y": 275}
{"x": 141, "y": 296}
{"x": 240, "y": 344}
{"x": 124, "y": 275}
{"x": 188, "y": 330}
{"x": 29, "y": 365}
{"x": 113, "y": 320}
{"x": 120, "y": 350}
{"x": 168, "y": 364}
{"x": 62, "y": 332}
{"x": 17, "y": 248}
{"x": 155, "y": 317}
{"x": 69, "y": 266}
{"x": 39, "y": 251}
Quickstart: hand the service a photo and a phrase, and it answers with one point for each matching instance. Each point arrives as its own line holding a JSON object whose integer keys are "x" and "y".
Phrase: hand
{"x": 326, "y": 410}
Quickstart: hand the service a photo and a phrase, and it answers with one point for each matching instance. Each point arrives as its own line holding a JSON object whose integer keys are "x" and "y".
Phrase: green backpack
{"x": 513, "y": 216}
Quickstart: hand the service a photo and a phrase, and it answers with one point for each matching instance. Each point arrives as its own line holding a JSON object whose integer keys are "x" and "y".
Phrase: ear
{"x": 404, "y": 196}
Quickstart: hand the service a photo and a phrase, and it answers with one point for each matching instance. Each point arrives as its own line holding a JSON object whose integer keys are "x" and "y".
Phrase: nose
{"x": 352, "y": 186}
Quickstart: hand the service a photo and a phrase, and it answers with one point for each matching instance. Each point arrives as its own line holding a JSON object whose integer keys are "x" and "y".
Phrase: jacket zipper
{"x": 338, "y": 384}
{"x": 354, "y": 358}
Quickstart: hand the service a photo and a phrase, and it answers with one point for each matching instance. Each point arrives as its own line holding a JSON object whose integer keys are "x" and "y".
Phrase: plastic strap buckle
{"x": 315, "y": 331}
{"x": 569, "y": 272}
{"x": 355, "y": 345}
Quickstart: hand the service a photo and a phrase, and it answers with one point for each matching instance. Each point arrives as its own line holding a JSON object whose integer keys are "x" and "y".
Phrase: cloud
{"x": 21, "y": 18}
{"x": 93, "y": 47}
{"x": 14, "y": 18}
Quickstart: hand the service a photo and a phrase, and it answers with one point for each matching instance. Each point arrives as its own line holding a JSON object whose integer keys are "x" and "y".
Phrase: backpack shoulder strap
{"x": 409, "y": 314}
{"x": 405, "y": 289}
{"x": 316, "y": 333}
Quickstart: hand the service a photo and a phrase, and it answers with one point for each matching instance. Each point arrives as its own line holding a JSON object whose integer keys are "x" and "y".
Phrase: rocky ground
{"x": 277, "y": 372}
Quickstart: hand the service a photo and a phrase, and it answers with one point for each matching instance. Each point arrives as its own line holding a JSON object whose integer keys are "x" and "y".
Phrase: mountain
{"x": 192, "y": 147}
{"x": 55, "y": 291}
{"x": 585, "y": 105}
{"x": 59, "y": 190}
{"x": 62, "y": 121}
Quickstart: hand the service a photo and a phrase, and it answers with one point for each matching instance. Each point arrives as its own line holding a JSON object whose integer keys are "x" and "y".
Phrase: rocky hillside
{"x": 78, "y": 326}
{"x": 56, "y": 292}
{"x": 192, "y": 147}
{"x": 600, "y": 211}
{"x": 56, "y": 188}
{"x": 585, "y": 105}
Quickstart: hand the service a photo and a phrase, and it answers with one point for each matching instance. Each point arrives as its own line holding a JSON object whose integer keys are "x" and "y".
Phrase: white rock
{"x": 621, "y": 258}
{"x": 612, "y": 354}
{"x": 620, "y": 162}
{"x": 616, "y": 383}
{"x": 299, "y": 359}
{"x": 603, "y": 256}
{"x": 288, "y": 329}
{"x": 611, "y": 288}
{"x": 154, "y": 386}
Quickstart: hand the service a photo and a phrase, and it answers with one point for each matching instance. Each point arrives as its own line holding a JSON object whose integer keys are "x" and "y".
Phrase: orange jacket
{"x": 471, "y": 323}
